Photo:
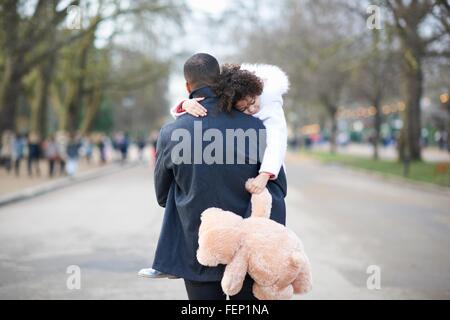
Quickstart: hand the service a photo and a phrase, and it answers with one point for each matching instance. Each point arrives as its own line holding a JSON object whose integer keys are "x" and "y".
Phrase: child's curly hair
{"x": 235, "y": 84}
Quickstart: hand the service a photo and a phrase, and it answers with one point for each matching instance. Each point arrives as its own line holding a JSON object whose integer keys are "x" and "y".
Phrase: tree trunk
{"x": 10, "y": 86}
{"x": 45, "y": 75}
{"x": 58, "y": 107}
{"x": 401, "y": 143}
{"x": 413, "y": 91}
{"x": 333, "y": 135}
{"x": 408, "y": 18}
{"x": 73, "y": 113}
{"x": 377, "y": 127}
{"x": 10, "y": 91}
{"x": 448, "y": 127}
{"x": 17, "y": 47}
{"x": 75, "y": 105}
{"x": 330, "y": 106}
{"x": 92, "y": 106}
{"x": 332, "y": 110}
{"x": 40, "y": 111}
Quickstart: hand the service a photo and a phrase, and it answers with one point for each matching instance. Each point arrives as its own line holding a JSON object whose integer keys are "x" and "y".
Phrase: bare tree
{"x": 22, "y": 39}
{"x": 375, "y": 79}
{"x": 409, "y": 21}
{"x": 29, "y": 40}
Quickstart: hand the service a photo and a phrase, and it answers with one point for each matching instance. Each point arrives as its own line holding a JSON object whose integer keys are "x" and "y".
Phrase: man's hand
{"x": 258, "y": 184}
{"x": 194, "y": 108}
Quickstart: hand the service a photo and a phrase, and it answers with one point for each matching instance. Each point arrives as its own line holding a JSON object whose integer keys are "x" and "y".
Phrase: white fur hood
{"x": 276, "y": 81}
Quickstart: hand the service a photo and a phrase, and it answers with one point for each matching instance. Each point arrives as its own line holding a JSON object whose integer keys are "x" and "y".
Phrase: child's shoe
{"x": 154, "y": 274}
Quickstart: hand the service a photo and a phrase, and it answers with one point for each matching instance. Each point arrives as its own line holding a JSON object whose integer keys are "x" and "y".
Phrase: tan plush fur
{"x": 269, "y": 252}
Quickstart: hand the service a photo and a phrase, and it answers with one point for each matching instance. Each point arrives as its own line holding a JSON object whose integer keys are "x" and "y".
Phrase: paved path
{"x": 349, "y": 222}
{"x": 109, "y": 228}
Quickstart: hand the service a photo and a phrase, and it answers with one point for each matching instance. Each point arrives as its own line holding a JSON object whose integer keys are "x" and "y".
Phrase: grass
{"x": 418, "y": 171}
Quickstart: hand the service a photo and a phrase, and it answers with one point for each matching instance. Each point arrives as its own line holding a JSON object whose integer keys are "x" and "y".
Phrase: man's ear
{"x": 188, "y": 87}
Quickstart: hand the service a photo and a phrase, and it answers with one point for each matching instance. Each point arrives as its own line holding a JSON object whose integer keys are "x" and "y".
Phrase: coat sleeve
{"x": 163, "y": 174}
{"x": 276, "y": 141}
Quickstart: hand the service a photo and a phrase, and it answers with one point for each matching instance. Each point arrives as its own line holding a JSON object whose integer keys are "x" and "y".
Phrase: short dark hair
{"x": 201, "y": 69}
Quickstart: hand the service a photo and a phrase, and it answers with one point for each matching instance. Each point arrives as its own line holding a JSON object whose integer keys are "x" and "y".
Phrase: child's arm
{"x": 190, "y": 106}
{"x": 258, "y": 184}
{"x": 178, "y": 110}
{"x": 276, "y": 145}
{"x": 276, "y": 139}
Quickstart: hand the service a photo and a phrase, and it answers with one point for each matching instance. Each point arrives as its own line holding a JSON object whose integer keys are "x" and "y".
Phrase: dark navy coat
{"x": 187, "y": 189}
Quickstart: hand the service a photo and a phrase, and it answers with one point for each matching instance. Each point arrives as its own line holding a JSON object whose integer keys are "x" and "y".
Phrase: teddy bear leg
{"x": 234, "y": 275}
{"x": 272, "y": 292}
{"x": 303, "y": 283}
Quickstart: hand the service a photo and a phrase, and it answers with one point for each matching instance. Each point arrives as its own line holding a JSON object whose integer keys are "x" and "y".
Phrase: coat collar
{"x": 205, "y": 91}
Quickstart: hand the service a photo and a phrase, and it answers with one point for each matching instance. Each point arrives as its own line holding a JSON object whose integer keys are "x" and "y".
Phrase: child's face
{"x": 249, "y": 105}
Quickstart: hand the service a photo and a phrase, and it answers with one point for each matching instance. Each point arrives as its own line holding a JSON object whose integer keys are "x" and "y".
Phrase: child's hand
{"x": 258, "y": 184}
{"x": 194, "y": 108}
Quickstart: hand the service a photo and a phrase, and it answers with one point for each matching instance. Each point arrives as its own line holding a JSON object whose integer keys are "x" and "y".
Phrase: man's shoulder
{"x": 176, "y": 123}
{"x": 182, "y": 122}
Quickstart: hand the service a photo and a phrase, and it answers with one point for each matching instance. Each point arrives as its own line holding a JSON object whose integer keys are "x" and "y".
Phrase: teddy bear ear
{"x": 210, "y": 212}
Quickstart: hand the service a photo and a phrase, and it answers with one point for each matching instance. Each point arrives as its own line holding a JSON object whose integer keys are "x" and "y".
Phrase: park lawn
{"x": 419, "y": 170}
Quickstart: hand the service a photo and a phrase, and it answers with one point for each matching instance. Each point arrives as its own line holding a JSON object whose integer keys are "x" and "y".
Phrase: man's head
{"x": 201, "y": 70}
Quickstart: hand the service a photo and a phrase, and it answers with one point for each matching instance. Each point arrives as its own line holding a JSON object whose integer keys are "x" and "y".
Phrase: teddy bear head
{"x": 220, "y": 235}
{"x": 221, "y": 232}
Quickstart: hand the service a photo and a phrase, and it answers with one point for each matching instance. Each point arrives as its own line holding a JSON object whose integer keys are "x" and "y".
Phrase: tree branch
{"x": 59, "y": 44}
{"x": 36, "y": 35}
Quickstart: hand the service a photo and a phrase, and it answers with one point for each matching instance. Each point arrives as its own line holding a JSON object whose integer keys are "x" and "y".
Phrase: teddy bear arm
{"x": 235, "y": 272}
{"x": 294, "y": 264}
{"x": 303, "y": 283}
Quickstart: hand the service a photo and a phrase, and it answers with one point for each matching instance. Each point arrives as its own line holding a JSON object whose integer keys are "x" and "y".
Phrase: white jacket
{"x": 271, "y": 113}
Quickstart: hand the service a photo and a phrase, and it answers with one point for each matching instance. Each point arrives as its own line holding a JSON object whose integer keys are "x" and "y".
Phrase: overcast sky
{"x": 196, "y": 39}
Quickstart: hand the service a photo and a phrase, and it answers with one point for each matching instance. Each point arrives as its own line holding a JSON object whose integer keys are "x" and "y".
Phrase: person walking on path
{"x": 123, "y": 147}
{"x": 51, "y": 153}
{"x": 102, "y": 148}
{"x": 73, "y": 149}
{"x": 187, "y": 189}
{"x": 19, "y": 147}
{"x": 61, "y": 144}
{"x": 34, "y": 154}
{"x": 7, "y": 149}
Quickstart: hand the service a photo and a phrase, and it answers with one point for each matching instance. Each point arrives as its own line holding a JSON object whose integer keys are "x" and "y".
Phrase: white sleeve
{"x": 276, "y": 139}
{"x": 173, "y": 111}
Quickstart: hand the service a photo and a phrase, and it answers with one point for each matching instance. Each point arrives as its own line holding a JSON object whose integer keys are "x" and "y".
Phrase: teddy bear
{"x": 268, "y": 251}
